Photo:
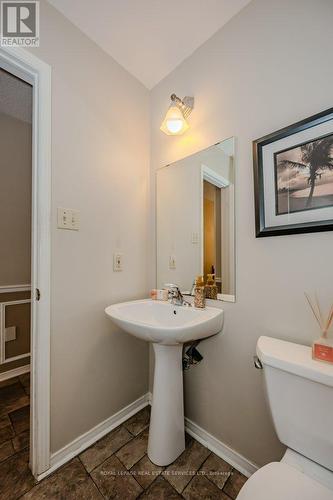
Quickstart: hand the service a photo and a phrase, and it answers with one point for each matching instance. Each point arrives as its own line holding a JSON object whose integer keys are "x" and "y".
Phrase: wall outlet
{"x": 117, "y": 262}
{"x": 10, "y": 333}
{"x": 68, "y": 219}
{"x": 172, "y": 262}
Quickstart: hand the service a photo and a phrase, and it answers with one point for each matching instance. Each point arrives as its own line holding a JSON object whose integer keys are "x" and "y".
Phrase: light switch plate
{"x": 68, "y": 218}
{"x": 117, "y": 262}
{"x": 172, "y": 262}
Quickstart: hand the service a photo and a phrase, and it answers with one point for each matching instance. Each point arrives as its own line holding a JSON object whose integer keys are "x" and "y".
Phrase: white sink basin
{"x": 164, "y": 323}
{"x": 167, "y": 326}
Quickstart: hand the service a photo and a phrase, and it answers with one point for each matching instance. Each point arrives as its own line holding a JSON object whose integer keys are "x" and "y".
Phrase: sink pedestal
{"x": 168, "y": 327}
{"x": 166, "y": 432}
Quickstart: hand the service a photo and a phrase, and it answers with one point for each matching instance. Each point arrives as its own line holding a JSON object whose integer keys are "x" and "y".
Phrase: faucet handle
{"x": 171, "y": 286}
{"x": 176, "y": 295}
{"x": 173, "y": 290}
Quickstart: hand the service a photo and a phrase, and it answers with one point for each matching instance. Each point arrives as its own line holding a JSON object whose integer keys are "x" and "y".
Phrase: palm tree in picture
{"x": 316, "y": 158}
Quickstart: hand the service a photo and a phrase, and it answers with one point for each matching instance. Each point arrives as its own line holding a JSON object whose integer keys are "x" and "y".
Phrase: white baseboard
{"x": 15, "y": 372}
{"x": 220, "y": 449}
{"x": 90, "y": 437}
{"x": 79, "y": 444}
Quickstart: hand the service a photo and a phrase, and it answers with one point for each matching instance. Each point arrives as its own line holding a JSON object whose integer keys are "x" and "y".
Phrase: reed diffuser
{"x": 322, "y": 348}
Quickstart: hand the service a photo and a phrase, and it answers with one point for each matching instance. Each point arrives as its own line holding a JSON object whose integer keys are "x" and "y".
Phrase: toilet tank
{"x": 300, "y": 396}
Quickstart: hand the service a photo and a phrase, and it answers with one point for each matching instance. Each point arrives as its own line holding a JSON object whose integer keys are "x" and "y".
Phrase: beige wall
{"x": 100, "y": 147}
{"x": 15, "y": 200}
{"x": 178, "y": 215}
{"x": 267, "y": 68}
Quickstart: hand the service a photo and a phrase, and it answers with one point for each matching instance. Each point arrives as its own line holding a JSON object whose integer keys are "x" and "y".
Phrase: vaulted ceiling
{"x": 149, "y": 38}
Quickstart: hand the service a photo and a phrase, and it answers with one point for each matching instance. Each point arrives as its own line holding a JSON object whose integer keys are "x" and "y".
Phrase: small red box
{"x": 322, "y": 349}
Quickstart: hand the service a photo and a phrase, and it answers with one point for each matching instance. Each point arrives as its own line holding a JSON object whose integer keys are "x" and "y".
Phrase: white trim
{"x": 3, "y": 306}
{"x": 208, "y": 174}
{"x": 15, "y": 372}
{"x": 15, "y": 288}
{"x": 90, "y": 437}
{"x": 226, "y": 298}
{"x": 16, "y": 358}
{"x": 28, "y": 67}
{"x": 220, "y": 449}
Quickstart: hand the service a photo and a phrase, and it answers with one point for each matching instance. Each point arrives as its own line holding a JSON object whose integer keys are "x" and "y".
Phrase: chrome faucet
{"x": 175, "y": 295}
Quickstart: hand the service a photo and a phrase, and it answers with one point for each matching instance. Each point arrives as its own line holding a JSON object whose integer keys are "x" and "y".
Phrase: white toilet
{"x": 300, "y": 396}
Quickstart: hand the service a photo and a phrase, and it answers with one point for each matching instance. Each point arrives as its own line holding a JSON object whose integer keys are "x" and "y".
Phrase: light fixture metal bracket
{"x": 186, "y": 104}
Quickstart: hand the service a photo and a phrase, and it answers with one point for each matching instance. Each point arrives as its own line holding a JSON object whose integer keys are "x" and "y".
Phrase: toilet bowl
{"x": 300, "y": 396}
{"x": 280, "y": 481}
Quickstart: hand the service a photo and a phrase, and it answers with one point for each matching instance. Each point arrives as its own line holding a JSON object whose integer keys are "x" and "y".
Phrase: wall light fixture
{"x": 175, "y": 121}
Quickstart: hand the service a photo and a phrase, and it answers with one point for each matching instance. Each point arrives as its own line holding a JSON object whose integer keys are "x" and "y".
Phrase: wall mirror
{"x": 195, "y": 204}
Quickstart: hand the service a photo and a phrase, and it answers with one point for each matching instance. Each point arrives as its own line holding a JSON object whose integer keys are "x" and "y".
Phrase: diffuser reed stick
{"x": 329, "y": 319}
{"x": 315, "y": 308}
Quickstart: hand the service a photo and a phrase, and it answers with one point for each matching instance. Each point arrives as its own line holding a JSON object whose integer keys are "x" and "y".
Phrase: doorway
{"x": 212, "y": 231}
{"x": 25, "y": 173}
{"x": 15, "y": 260}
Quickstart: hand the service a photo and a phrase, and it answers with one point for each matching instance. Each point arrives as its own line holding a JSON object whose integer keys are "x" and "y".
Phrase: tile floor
{"x": 14, "y": 416}
{"x": 116, "y": 467}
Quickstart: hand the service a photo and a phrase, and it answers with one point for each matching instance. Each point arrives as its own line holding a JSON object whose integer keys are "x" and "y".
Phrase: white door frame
{"x": 213, "y": 177}
{"x": 25, "y": 65}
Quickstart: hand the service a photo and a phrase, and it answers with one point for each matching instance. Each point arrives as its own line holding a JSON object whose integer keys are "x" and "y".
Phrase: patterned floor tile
{"x": 117, "y": 466}
{"x": 138, "y": 422}
{"x": 181, "y": 471}
{"x": 12, "y": 397}
{"x": 114, "y": 481}
{"x": 15, "y": 477}
{"x": 105, "y": 447}
{"x": 20, "y": 419}
{"x": 6, "y": 433}
{"x": 145, "y": 472}
{"x": 234, "y": 484}
{"x": 21, "y": 441}
{"x": 25, "y": 381}
{"x": 6, "y": 450}
{"x": 4, "y": 420}
{"x": 160, "y": 489}
{"x": 217, "y": 470}
{"x": 201, "y": 488}
{"x": 71, "y": 482}
{"x": 132, "y": 452}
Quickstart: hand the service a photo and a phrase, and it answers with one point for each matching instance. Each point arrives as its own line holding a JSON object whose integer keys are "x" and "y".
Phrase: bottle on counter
{"x": 211, "y": 287}
{"x": 199, "y": 293}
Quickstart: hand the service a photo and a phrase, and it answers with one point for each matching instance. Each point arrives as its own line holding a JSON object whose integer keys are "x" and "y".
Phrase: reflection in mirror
{"x": 196, "y": 220}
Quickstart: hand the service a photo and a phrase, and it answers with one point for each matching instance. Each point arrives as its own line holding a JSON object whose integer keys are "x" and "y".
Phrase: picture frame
{"x": 293, "y": 178}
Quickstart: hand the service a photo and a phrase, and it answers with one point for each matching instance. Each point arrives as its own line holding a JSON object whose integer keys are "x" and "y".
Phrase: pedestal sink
{"x": 167, "y": 326}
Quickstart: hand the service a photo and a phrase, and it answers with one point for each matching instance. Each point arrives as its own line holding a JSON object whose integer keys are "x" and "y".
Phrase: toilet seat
{"x": 280, "y": 481}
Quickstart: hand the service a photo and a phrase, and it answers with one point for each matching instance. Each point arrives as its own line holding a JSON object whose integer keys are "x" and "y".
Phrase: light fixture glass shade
{"x": 174, "y": 122}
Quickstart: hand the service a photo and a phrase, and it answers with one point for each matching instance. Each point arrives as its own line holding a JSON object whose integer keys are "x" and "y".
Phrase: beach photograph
{"x": 304, "y": 176}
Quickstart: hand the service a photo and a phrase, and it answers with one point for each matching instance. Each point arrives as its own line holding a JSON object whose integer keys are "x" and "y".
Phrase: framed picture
{"x": 293, "y": 178}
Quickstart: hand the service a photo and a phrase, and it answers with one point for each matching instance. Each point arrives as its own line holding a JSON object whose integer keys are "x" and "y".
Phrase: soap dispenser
{"x": 199, "y": 293}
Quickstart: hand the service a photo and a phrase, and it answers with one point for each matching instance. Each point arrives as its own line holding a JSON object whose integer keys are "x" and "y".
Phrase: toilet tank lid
{"x": 294, "y": 358}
